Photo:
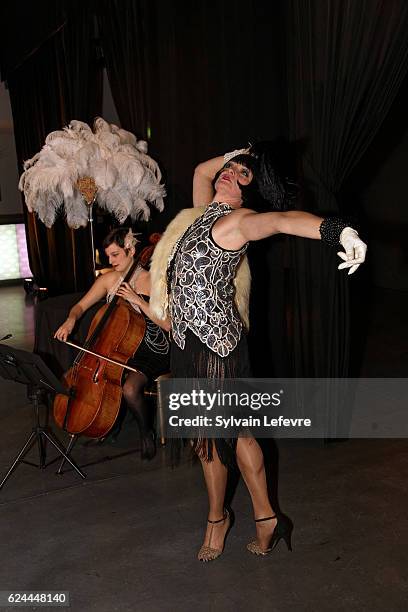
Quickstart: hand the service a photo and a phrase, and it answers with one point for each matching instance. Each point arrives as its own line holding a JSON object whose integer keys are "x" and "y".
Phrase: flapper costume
{"x": 209, "y": 340}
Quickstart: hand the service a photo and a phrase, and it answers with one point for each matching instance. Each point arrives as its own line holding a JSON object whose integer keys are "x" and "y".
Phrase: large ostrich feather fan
{"x": 126, "y": 178}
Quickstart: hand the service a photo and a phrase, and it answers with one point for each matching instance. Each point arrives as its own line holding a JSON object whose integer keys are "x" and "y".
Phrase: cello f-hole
{"x": 95, "y": 374}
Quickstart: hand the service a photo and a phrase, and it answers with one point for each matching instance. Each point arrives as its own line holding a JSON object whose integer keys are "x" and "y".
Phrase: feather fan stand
{"x": 79, "y": 166}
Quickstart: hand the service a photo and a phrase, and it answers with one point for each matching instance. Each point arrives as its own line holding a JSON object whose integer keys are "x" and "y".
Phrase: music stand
{"x": 30, "y": 370}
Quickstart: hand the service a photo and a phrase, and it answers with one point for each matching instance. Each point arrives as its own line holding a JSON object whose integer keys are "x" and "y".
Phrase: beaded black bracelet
{"x": 330, "y": 230}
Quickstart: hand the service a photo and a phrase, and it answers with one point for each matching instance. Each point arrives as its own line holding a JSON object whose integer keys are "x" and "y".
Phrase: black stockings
{"x": 133, "y": 392}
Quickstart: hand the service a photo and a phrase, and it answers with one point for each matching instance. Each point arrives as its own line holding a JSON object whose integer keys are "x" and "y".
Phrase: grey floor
{"x": 126, "y": 538}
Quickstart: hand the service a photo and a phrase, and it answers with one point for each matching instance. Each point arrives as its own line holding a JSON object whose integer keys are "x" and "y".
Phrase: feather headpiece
{"x": 130, "y": 240}
{"x": 125, "y": 177}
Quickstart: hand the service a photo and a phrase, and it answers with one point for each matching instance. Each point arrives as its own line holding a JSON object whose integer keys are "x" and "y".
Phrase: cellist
{"x": 152, "y": 356}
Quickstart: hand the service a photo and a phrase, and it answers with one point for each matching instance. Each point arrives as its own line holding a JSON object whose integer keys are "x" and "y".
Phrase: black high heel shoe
{"x": 283, "y": 531}
{"x": 147, "y": 436}
{"x": 148, "y": 446}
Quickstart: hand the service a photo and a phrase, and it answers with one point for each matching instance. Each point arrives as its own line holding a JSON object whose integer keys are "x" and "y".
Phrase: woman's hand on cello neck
{"x": 126, "y": 292}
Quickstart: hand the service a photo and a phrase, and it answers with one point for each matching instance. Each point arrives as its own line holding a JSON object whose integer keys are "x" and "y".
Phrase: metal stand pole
{"x": 72, "y": 439}
{"x": 90, "y": 219}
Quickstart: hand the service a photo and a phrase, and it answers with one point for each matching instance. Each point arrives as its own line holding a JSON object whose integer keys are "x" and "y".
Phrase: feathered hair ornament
{"x": 130, "y": 240}
{"x": 78, "y": 165}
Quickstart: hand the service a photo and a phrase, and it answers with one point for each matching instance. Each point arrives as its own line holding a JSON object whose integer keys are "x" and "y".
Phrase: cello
{"x": 95, "y": 378}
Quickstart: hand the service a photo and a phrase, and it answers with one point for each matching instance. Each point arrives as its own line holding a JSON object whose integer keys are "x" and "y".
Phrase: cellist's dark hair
{"x": 118, "y": 236}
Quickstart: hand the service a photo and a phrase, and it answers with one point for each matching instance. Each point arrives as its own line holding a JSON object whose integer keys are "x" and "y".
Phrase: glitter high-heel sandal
{"x": 207, "y": 553}
{"x": 283, "y": 531}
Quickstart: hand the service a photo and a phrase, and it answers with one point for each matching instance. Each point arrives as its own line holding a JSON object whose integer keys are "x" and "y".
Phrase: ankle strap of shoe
{"x": 268, "y": 518}
{"x": 219, "y": 520}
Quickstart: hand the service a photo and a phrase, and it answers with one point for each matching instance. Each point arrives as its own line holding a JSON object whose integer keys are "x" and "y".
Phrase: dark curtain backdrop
{"x": 25, "y": 28}
{"x": 125, "y": 36}
{"x": 61, "y": 81}
{"x": 203, "y": 76}
{"x": 345, "y": 63}
{"x": 217, "y": 83}
{"x": 206, "y": 77}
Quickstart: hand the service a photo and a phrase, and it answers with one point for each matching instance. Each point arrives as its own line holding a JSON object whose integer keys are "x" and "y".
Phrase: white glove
{"x": 355, "y": 250}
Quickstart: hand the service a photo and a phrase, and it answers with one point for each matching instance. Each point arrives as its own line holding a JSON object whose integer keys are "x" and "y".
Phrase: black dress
{"x": 208, "y": 335}
{"x": 153, "y": 355}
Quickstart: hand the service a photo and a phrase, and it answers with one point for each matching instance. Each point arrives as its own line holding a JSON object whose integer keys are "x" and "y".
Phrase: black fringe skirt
{"x": 198, "y": 361}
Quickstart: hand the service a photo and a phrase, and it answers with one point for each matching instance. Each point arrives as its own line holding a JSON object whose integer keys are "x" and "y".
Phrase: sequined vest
{"x": 201, "y": 286}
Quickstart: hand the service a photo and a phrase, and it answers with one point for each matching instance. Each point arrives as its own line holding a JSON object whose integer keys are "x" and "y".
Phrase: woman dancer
{"x": 206, "y": 323}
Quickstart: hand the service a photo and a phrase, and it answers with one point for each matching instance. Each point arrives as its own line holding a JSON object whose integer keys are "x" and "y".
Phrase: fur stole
{"x": 161, "y": 256}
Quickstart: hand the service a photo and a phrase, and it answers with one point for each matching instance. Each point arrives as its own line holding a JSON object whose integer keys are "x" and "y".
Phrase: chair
{"x": 155, "y": 391}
